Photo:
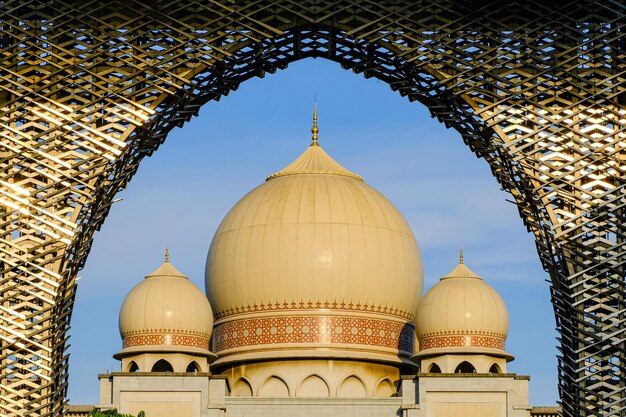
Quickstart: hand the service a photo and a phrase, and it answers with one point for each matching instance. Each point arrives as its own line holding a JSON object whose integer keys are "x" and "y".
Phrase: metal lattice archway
{"x": 90, "y": 88}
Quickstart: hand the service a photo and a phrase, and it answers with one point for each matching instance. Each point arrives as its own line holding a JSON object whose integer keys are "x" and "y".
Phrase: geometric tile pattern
{"x": 458, "y": 341}
{"x": 314, "y": 330}
{"x": 169, "y": 339}
{"x": 316, "y": 305}
{"x": 535, "y": 88}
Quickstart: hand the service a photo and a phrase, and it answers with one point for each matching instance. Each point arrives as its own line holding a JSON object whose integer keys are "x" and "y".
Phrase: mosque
{"x": 314, "y": 307}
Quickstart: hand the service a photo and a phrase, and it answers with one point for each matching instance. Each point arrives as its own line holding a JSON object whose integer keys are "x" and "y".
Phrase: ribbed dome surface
{"x": 314, "y": 232}
{"x": 314, "y": 262}
{"x": 462, "y": 306}
{"x": 162, "y": 306}
{"x": 314, "y": 161}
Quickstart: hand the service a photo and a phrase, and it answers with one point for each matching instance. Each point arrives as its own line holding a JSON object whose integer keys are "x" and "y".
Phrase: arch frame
{"x": 495, "y": 367}
{"x": 313, "y": 376}
{"x": 464, "y": 366}
{"x": 245, "y": 381}
{"x": 535, "y": 89}
{"x": 132, "y": 366}
{"x": 389, "y": 382}
{"x": 366, "y": 391}
{"x": 162, "y": 363}
{"x": 195, "y": 364}
{"x": 434, "y": 368}
{"x": 279, "y": 378}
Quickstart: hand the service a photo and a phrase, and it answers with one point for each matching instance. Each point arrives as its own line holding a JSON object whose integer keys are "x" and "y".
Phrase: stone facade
{"x": 424, "y": 395}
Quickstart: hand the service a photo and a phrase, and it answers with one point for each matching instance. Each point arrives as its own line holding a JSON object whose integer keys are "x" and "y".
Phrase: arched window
{"x": 313, "y": 386}
{"x": 385, "y": 388}
{"x": 495, "y": 369}
{"x": 162, "y": 366}
{"x": 274, "y": 387}
{"x": 241, "y": 388}
{"x": 465, "y": 368}
{"x": 133, "y": 367}
{"x": 352, "y": 386}
{"x": 193, "y": 367}
{"x": 434, "y": 369}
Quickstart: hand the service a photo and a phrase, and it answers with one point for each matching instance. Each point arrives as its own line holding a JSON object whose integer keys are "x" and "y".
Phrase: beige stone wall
{"x": 161, "y": 404}
{"x": 470, "y": 395}
{"x": 163, "y": 394}
{"x": 466, "y": 404}
{"x": 468, "y": 410}
{"x": 312, "y": 407}
{"x": 313, "y": 378}
{"x": 78, "y": 410}
{"x": 427, "y": 395}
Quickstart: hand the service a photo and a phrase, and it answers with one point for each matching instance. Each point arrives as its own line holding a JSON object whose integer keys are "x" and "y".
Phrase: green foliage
{"x": 111, "y": 413}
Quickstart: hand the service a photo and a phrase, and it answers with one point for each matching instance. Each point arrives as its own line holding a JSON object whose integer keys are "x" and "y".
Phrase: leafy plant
{"x": 111, "y": 413}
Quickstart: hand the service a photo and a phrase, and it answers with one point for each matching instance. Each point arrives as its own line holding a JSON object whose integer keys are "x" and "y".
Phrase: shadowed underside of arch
{"x": 88, "y": 89}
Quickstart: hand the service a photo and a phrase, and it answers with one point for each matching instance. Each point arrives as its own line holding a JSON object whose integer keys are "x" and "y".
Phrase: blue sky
{"x": 182, "y": 192}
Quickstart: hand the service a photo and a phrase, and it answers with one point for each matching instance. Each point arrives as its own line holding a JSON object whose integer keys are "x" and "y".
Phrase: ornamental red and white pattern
{"x": 315, "y": 305}
{"x": 459, "y": 341}
{"x": 167, "y": 339}
{"x": 314, "y": 330}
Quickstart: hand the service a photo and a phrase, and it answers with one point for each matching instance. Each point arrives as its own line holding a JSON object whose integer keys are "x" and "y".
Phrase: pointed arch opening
{"x": 352, "y": 386}
{"x": 313, "y": 386}
{"x": 385, "y": 388}
{"x": 132, "y": 367}
{"x": 465, "y": 368}
{"x": 495, "y": 369}
{"x": 162, "y": 366}
{"x": 274, "y": 386}
{"x": 434, "y": 369}
{"x": 241, "y": 388}
{"x": 193, "y": 367}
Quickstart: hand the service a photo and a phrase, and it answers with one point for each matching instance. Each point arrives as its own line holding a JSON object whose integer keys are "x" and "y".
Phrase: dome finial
{"x": 167, "y": 254}
{"x": 461, "y": 256}
{"x": 314, "y": 129}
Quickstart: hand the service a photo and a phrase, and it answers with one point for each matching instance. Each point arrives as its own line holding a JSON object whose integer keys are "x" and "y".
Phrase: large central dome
{"x": 314, "y": 263}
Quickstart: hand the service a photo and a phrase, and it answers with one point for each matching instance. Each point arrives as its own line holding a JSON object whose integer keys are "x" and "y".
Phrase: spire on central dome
{"x": 314, "y": 160}
{"x": 314, "y": 129}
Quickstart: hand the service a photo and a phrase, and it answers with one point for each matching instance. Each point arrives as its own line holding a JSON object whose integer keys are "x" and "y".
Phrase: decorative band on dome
{"x": 314, "y": 330}
{"x": 462, "y": 341}
{"x": 316, "y": 305}
{"x": 166, "y": 339}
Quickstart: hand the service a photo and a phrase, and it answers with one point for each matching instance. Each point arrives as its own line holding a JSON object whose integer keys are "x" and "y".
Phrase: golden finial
{"x": 167, "y": 254}
{"x": 461, "y": 256}
{"x": 314, "y": 129}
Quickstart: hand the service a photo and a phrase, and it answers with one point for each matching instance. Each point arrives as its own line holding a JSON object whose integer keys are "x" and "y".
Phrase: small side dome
{"x": 462, "y": 314}
{"x": 165, "y": 313}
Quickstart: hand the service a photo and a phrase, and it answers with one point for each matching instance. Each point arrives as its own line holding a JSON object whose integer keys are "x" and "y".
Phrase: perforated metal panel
{"x": 89, "y": 88}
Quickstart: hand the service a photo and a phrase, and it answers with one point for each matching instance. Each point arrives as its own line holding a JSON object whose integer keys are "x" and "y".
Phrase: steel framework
{"x": 89, "y": 88}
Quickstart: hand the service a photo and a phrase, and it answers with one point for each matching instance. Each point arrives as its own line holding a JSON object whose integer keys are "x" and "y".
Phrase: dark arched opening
{"x": 162, "y": 366}
{"x": 465, "y": 368}
{"x": 193, "y": 367}
{"x": 434, "y": 369}
{"x": 495, "y": 369}
{"x": 133, "y": 367}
